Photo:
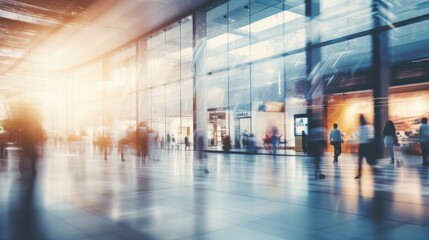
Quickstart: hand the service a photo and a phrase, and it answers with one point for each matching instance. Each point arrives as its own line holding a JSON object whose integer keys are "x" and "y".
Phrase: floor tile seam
{"x": 295, "y": 188}
{"x": 312, "y": 207}
{"x": 294, "y": 232}
{"x": 277, "y": 202}
{"x": 383, "y": 199}
{"x": 218, "y": 230}
{"x": 62, "y": 220}
{"x": 415, "y": 222}
{"x": 326, "y": 168}
{"x": 318, "y": 191}
{"x": 400, "y": 224}
{"x": 97, "y": 214}
{"x": 100, "y": 214}
{"x": 365, "y": 218}
{"x": 386, "y": 230}
{"x": 369, "y": 215}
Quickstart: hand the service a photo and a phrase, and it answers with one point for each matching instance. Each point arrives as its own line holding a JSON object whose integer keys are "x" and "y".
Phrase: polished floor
{"x": 82, "y": 196}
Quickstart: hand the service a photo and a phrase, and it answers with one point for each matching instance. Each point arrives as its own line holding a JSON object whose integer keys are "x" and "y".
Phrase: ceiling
{"x": 42, "y": 36}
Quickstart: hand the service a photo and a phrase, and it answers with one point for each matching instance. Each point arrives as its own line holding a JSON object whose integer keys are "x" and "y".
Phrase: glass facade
{"x": 242, "y": 67}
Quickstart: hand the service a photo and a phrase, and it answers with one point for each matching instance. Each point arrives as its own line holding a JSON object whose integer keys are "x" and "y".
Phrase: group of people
{"x": 366, "y": 143}
{"x": 147, "y": 142}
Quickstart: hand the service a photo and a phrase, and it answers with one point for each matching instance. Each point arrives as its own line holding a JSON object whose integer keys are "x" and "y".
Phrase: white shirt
{"x": 424, "y": 133}
{"x": 335, "y": 135}
{"x": 366, "y": 133}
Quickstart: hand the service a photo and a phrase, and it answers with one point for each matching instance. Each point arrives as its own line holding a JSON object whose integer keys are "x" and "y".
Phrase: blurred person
{"x": 122, "y": 144}
{"x": 4, "y": 139}
{"x": 317, "y": 145}
{"x": 143, "y": 140}
{"x": 24, "y": 208}
{"x": 200, "y": 153}
{"x": 336, "y": 140}
{"x": 187, "y": 143}
{"x": 152, "y": 142}
{"x": 424, "y": 140}
{"x": 162, "y": 142}
{"x": 266, "y": 142}
{"x": 30, "y": 135}
{"x": 366, "y": 135}
{"x": 173, "y": 142}
{"x": 226, "y": 143}
{"x": 274, "y": 139}
{"x": 168, "y": 141}
{"x": 304, "y": 143}
{"x": 390, "y": 139}
{"x": 251, "y": 144}
{"x": 245, "y": 139}
{"x": 106, "y": 144}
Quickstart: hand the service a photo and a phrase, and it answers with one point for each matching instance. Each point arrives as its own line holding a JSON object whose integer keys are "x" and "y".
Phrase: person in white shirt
{"x": 424, "y": 140}
{"x": 336, "y": 140}
{"x": 366, "y": 134}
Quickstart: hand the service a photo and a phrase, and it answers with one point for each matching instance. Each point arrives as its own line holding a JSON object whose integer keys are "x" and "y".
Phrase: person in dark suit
{"x": 317, "y": 145}
{"x": 304, "y": 142}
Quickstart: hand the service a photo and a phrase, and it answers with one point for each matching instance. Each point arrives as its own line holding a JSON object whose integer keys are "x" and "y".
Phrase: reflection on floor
{"x": 243, "y": 197}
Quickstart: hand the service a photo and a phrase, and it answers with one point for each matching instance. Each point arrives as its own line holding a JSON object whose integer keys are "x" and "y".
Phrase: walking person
{"x": 336, "y": 140}
{"x": 304, "y": 142}
{"x": 390, "y": 138}
{"x": 366, "y": 134}
{"x": 275, "y": 139}
{"x": 173, "y": 142}
{"x": 187, "y": 143}
{"x": 143, "y": 140}
{"x": 424, "y": 140}
{"x": 168, "y": 144}
{"x": 200, "y": 153}
{"x": 317, "y": 145}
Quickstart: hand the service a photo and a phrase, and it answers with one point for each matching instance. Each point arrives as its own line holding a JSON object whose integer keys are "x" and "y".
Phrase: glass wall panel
{"x": 346, "y": 64}
{"x": 173, "y": 111}
{"x": 157, "y": 60}
{"x": 409, "y": 43}
{"x": 158, "y": 110}
{"x": 238, "y": 30}
{"x": 267, "y": 98}
{"x": 294, "y": 24}
{"x": 187, "y": 109}
{"x": 187, "y": 51}
{"x": 120, "y": 98}
{"x": 218, "y": 38}
{"x": 239, "y": 104}
{"x": 339, "y": 18}
{"x": 297, "y": 87}
{"x": 217, "y": 90}
{"x": 83, "y": 105}
{"x": 267, "y": 29}
{"x": 172, "y": 55}
{"x": 167, "y": 93}
{"x": 405, "y": 9}
{"x": 186, "y": 48}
